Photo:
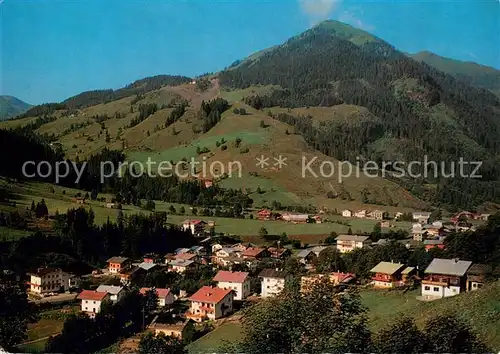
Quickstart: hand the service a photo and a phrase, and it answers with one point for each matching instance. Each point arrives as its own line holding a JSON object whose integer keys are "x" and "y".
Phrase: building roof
{"x": 161, "y": 292}
{"x": 352, "y": 238}
{"x": 112, "y": 289}
{"x": 233, "y": 277}
{"x": 319, "y": 249}
{"x": 119, "y": 260}
{"x": 252, "y": 251}
{"x": 272, "y": 273}
{"x": 193, "y": 222}
{"x": 407, "y": 270}
{"x": 92, "y": 295}
{"x": 433, "y": 242}
{"x": 304, "y": 253}
{"x": 186, "y": 256}
{"x": 180, "y": 262}
{"x": 147, "y": 265}
{"x": 179, "y": 326}
{"x": 210, "y": 295}
{"x": 448, "y": 266}
{"x": 41, "y": 272}
{"x": 423, "y": 214}
{"x": 387, "y": 268}
{"x": 480, "y": 269}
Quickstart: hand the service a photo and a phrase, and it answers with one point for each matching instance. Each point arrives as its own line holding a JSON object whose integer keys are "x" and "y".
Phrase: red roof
{"x": 210, "y": 295}
{"x": 92, "y": 295}
{"x": 252, "y": 251}
{"x": 264, "y": 212}
{"x": 233, "y": 277}
{"x": 159, "y": 291}
{"x": 193, "y": 222}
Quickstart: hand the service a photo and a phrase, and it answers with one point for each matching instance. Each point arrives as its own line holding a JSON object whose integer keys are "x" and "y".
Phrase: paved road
{"x": 57, "y": 298}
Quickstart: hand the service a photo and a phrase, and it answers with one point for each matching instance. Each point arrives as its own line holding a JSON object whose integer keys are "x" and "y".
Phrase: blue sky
{"x": 54, "y": 49}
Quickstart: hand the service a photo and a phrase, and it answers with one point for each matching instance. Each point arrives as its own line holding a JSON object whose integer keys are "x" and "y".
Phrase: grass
{"x": 35, "y": 347}
{"x": 43, "y": 328}
{"x": 230, "y": 332}
{"x": 7, "y": 233}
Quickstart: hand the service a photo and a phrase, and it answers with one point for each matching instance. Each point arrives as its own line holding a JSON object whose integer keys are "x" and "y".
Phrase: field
{"x": 230, "y": 332}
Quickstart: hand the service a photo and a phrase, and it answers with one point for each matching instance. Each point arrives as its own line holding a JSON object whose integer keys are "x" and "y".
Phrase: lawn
{"x": 230, "y": 332}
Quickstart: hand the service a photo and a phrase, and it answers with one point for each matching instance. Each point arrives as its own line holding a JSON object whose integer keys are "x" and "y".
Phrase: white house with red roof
{"x": 165, "y": 296}
{"x": 92, "y": 301}
{"x": 195, "y": 226}
{"x": 237, "y": 281}
{"x": 210, "y": 303}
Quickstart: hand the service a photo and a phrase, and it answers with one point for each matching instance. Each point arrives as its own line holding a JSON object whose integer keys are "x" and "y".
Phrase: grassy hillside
{"x": 11, "y": 106}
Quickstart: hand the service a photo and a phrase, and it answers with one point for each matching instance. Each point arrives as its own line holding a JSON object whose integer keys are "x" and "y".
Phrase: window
{"x": 436, "y": 289}
{"x": 427, "y": 288}
{"x": 94, "y": 302}
{"x": 86, "y": 308}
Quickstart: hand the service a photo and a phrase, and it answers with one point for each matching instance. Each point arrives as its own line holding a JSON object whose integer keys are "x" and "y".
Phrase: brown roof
{"x": 92, "y": 295}
{"x": 161, "y": 292}
{"x": 272, "y": 273}
{"x": 480, "y": 269}
{"x": 45, "y": 270}
{"x": 210, "y": 295}
{"x": 252, "y": 251}
{"x": 233, "y": 277}
{"x": 119, "y": 260}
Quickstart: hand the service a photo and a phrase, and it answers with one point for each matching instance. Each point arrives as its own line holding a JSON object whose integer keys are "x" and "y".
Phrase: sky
{"x": 52, "y": 49}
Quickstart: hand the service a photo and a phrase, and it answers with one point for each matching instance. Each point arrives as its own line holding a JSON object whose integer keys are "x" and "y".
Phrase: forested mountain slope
{"x": 11, "y": 106}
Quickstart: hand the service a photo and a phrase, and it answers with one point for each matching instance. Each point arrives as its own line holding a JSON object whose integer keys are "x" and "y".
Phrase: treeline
{"x": 145, "y": 110}
{"x": 176, "y": 113}
{"x": 211, "y": 111}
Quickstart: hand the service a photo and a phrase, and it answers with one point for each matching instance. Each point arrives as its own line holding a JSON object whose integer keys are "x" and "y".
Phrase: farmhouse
{"x": 118, "y": 264}
{"x": 210, "y": 303}
{"x": 444, "y": 277}
{"x": 165, "y": 296}
{"x": 239, "y": 282}
{"x": 279, "y": 252}
{"x": 307, "y": 256}
{"x": 115, "y": 292}
{"x": 378, "y": 215}
{"x": 264, "y": 214}
{"x": 273, "y": 281}
{"x": 421, "y": 217}
{"x": 180, "y": 265}
{"x": 347, "y": 243}
{"x": 255, "y": 253}
{"x": 92, "y": 301}
{"x": 336, "y": 278}
{"x": 178, "y": 330}
{"x": 430, "y": 244}
{"x": 360, "y": 214}
{"x": 48, "y": 280}
{"x": 347, "y": 213}
{"x": 477, "y": 276}
{"x": 195, "y": 226}
{"x": 388, "y": 275}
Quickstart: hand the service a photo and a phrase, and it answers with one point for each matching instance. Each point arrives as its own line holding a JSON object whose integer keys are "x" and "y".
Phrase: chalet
{"x": 118, "y": 264}
{"x": 421, "y": 217}
{"x": 430, "y": 244}
{"x": 210, "y": 303}
{"x": 444, "y": 277}
{"x": 318, "y": 249}
{"x": 165, "y": 296}
{"x": 307, "y": 256}
{"x": 348, "y": 243}
{"x": 377, "y": 215}
{"x": 115, "y": 292}
{"x": 273, "y": 281}
{"x": 239, "y": 248}
{"x": 347, "y": 213}
{"x": 239, "y": 282}
{"x": 388, "y": 275}
{"x": 477, "y": 275}
{"x": 225, "y": 252}
{"x": 130, "y": 275}
{"x": 148, "y": 267}
{"x": 279, "y": 252}
{"x": 152, "y": 258}
{"x": 188, "y": 257}
{"x": 195, "y": 226}
{"x": 337, "y": 278}
{"x": 408, "y": 274}
{"x": 180, "y": 265}
{"x": 360, "y": 214}
{"x": 92, "y": 301}
{"x": 295, "y": 218}
{"x": 178, "y": 330}
{"x": 49, "y": 280}
{"x": 255, "y": 253}
{"x": 264, "y": 214}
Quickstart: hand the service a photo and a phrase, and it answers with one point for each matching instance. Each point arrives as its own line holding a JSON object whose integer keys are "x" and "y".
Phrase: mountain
{"x": 473, "y": 73}
{"x": 420, "y": 112}
{"x": 11, "y": 106}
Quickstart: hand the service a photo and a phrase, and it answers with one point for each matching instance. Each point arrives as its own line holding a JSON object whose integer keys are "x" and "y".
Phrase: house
{"x": 180, "y": 265}
{"x": 92, "y": 301}
{"x": 182, "y": 250}
{"x": 255, "y": 253}
{"x": 118, "y": 264}
{"x": 421, "y": 217}
{"x": 483, "y": 217}
{"x": 296, "y": 218}
{"x": 378, "y": 215}
{"x": 417, "y": 232}
{"x": 444, "y": 277}
{"x": 148, "y": 267}
{"x": 264, "y": 214}
{"x": 430, "y": 244}
{"x": 307, "y": 256}
{"x": 187, "y": 257}
{"x": 317, "y": 219}
{"x": 273, "y": 281}
{"x": 239, "y": 282}
{"x": 225, "y": 252}
{"x": 279, "y": 252}
{"x": 178, "y": 330}
{"x": 407, "y": 275}
{"x": 195, "y": 226}
{"x": 347, "y": 213}
{"x": 477, "y": 275}
{"x": 360, "y": 214}
{"x": 337, "y": 278}
{"x": 388, "y": 275}
{"x": 210, "y": 303}
{"x": 347, "y": 243}
{"x": 318, "y": 249}
{"x": 165, "y": 296}
{"x": 152, "y": 258}
{"x": 398, "y": 215}
{"x": 49, "y": 280}
{"x": 115, "y": 292}
{"x": 113, "y": 205}
{"x": 132, "y": 274}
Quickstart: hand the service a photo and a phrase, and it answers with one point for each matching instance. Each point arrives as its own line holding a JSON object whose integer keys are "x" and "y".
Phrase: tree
{"x": 160, "y": 344}
{"x": 448, "y": 334}
{"x": 331, "y": 239}
{"x": 150, "y": 300}
{"x": 263, "y": 232}
{"x": 150, "y": 205}
{"x": 330, "y": 260}
{"x": 172, "y": 210}
{"x": 435, "y": 215}
{"x": 377, "y": 232}
{"x": 41, "y": 209}
{"x": 15, "y": 313}
{"x": 182, "y": 210}
{"x": 402, "y": 336}
{"x": 349, "y": 231}
{"x": 322, "y": 319}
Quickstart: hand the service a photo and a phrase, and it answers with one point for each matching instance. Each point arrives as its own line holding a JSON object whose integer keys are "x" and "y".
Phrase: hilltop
{"x": 11, "y": 106}
{"x": 473, "y": 73}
